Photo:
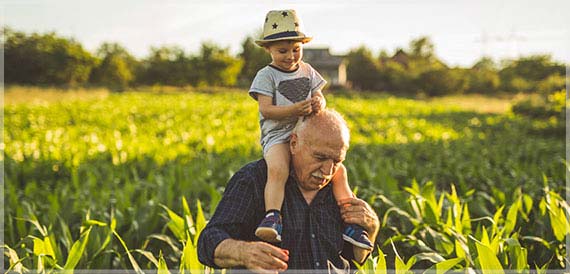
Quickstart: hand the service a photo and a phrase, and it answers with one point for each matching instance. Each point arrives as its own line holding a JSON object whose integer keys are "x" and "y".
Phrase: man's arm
{"x": 218, "y": 245}
{"x": 255, "y": 256}
{"x": 360, "y": 213}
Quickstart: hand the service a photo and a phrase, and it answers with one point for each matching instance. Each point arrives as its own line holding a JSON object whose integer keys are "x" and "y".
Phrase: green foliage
{"x": 525, "y": 74}
{"x": 442, "y": 81}
{"x": 483, "y": 77}
{"x": 548, "y": 110}
{"x": 42, "y": 59}
{"x": 362, "y": 69}
{"x": 213, "y": 66}
{"x": 168, "y": 66}
{"x": 122, "y": 156}
{"x": 216, "y": 67}
{"x": 254, "y": 58}
{"x": 116, "y": 67}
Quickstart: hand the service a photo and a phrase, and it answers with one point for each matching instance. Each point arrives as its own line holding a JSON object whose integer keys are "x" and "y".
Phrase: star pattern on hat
{"x": 274, "y": 25}
{"x": 296, "y": 24}
{"x": 284, "y": 14}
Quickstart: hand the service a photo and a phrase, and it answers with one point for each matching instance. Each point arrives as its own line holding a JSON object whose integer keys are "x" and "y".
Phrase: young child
{"x": 286, "y": 90}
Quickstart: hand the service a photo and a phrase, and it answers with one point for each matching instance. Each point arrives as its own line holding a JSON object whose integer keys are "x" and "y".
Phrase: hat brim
{"x": 302, "y": 39}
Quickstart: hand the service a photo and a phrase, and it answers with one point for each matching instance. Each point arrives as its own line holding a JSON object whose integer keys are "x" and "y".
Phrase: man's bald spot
{"x": 327, "y": 122}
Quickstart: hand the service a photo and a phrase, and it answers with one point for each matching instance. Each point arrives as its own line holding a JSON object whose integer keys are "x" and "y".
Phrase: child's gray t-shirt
{"x": 286, "y": 88}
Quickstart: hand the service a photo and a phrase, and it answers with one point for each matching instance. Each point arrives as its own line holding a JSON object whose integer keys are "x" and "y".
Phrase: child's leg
{"x": 277, "y": 158}
{"x": 340, "y": 187}
{"x": 353, "y": 233}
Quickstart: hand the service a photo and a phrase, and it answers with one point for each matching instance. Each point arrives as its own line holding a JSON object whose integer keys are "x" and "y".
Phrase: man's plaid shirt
{"x": 312, "y": 233}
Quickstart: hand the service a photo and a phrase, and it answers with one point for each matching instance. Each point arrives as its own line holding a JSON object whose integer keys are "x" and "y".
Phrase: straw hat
{"x": 282, "y": 25}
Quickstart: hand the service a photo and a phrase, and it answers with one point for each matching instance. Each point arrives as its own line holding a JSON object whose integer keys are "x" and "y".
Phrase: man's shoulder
{"x": 254, "y": 171}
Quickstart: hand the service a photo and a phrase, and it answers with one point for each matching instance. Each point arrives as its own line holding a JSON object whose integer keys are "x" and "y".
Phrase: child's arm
{"x": 270, "y": 111}
{"x": 318, "y": 101}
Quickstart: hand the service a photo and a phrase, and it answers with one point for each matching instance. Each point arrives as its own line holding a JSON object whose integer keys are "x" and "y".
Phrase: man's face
{"x": 286, "y": 55}
{"x": 316, "y": 157}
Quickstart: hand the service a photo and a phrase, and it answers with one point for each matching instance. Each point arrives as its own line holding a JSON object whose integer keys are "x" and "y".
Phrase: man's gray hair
{"x": 327, "y": 120}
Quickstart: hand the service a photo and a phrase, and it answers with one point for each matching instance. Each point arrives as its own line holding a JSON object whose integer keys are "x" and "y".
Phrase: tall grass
{"x": 118, "y": 166}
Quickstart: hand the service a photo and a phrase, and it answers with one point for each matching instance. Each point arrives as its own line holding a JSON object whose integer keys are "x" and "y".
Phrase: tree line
{"x": 49, "y": 59}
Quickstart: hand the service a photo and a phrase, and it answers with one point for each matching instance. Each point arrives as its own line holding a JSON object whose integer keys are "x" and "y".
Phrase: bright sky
{"x": 462, "y": 31}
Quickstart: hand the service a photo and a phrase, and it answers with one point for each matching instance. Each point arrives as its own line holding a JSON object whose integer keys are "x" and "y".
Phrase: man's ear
{"x": 293, "y": 143}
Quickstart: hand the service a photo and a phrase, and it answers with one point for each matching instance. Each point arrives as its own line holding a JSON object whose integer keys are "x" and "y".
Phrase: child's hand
{"x": 317, "y": 103}
{"x": 302, "y": 108}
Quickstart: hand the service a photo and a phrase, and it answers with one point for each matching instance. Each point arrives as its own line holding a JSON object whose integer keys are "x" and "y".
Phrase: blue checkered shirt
{"x": 312, "y": 233}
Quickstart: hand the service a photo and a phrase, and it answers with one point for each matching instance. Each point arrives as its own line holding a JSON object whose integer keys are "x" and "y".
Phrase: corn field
{"x": 128, "y": 181}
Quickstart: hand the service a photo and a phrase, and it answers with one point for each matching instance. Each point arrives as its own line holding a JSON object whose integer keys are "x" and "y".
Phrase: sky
{"x": 462, "y": 31}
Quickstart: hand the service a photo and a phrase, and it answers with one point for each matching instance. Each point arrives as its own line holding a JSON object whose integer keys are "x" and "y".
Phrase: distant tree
{"x": 524, "y": 74}
{"x": 254, "y": 58}
{"x": 485, "y": 63}
{"x": 422, "y": 48}
{"x": 396, "y": 78}
{"x": 216, "y": 66}
{"x": 168, "y": 65}
{"x": 443, "y": 81}
{"x": 45, "y": 59}
{"x": 484, "y": 77}
{"x": 362, "y": 69}
{"x": 115, "y": 68}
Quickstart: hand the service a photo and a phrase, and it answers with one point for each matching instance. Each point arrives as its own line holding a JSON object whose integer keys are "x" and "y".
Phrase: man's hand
{"x": 259, "y": 257}
{"x": 318, "y": 103}
{"x": 357, "y": 211}
{"x": 302, "y": 108}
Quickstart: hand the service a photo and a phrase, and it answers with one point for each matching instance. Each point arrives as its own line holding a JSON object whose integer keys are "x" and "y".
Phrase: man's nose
{"x": 327, "y": 167}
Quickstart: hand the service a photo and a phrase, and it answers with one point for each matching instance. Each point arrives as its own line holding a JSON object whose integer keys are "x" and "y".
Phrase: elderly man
{"x": 312, "y": 220}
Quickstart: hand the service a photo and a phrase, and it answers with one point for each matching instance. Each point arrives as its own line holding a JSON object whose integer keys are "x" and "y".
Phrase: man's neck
{"x": 309, "y": 195}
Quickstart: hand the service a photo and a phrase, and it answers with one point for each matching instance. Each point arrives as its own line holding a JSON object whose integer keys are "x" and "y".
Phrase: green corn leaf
{"x": 189, "y": 260}
{"x": 488, "y": 261}
{"x": 517, "y": 254}
{"x": 459, "y": 249}
{"x": 162, "y": 267}
{"x": 558, "y": 220}
{"x": 444, "y": 266}
{"x": 527, "y": 203}
{"x": 77, "y": 250}
{"x": 188, "y": 221}
{"x": 166, "y": 239}
{"x": 498, "y": 216}
{"x": 511, "y": 220}
{"x": 399, "y": 264}
{"x": 175, "y": 224}
{"x": 465, "y": 220}
{"x": 542, "y": 206}
{"x": 427, "y": 256}
{"x": 485, "y": 237}
{"x": 39, "y": 248}
{"x": 200, "y": 221}
{"x": 381, "y": 263}
{"x": 148, "y": 255}
{"x": 134, "y": 263}
{"x": 94, "y": 222}
{"x": 449, "y": 220}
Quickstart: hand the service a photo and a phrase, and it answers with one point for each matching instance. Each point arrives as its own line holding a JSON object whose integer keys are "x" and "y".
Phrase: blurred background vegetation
{"x": 51, "y": 60}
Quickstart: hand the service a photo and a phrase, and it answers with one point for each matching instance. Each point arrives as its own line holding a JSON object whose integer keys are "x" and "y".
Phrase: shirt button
{"x": 313, "y": 236}
{"x": 317, "y": 264}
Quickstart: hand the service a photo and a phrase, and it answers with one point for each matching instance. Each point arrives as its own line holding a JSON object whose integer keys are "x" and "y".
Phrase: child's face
{"x": 285, "y": 55}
